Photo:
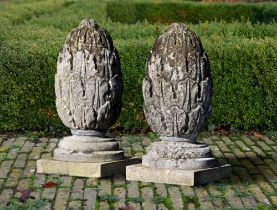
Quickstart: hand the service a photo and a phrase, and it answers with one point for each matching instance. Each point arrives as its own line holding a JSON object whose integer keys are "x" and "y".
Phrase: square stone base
{"x": 97, "y": 170}
{"x": 177, "y": 176}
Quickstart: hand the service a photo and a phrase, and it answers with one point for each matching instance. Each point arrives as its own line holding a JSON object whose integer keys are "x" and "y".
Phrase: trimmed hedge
{"x": 193, "y": 12}
{"x": 242, "y": 55}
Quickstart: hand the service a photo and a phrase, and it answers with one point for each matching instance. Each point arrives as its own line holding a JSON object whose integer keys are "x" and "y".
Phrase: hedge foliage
{"x": 243, "y": 60}
{"x": 194, "y": 12}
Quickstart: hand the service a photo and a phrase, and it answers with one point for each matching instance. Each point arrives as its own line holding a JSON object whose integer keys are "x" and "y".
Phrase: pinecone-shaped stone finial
{"x": 177, "y": 87}
{"x": 88, "y": 82}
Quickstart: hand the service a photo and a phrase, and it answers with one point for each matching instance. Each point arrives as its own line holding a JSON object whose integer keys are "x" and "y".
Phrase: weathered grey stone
{"x": 88, "y": 82}
{"x": 177, "y": 176}
{"x": 177, "y": 91}
{"x": 177, "y": 87}
{"x": 85, "y": 169}
{"x": 181, "y": 155}
{"x": 88, "y": 88}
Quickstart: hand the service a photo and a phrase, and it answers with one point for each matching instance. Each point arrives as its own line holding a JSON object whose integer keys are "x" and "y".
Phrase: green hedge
{"x": 242, "y": 55}
{"x": 132, "y": 12}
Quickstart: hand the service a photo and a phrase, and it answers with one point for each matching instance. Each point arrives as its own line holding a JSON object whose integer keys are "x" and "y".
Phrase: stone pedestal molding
{"x": 177, "y": 91}
{"x": 88, "y": 87}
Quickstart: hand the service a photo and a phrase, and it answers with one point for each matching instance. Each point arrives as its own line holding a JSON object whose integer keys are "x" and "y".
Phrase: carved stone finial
{"x": 88, "y": 82}
{"x": 177, "y": 93}
{"x": 177, "y": 87}
{"x": 88, "y": 88}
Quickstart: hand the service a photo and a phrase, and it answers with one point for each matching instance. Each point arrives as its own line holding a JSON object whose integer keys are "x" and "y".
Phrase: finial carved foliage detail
{"x": 177, "y": 87}
{"x": 88, "y": 82}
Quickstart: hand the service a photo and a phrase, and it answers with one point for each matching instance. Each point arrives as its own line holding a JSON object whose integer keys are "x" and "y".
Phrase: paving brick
{"x": 258, "y": 194}
{"x": 268, "y": 174}
{"x": 203, "y": 198}
{"x": 5, "y": 197}
{"x": 243, "y": 173}
{"x": 176, "y": 197}
{"x": 50, "y": 147}
{"x": 208, "y": 141}
{"x": 234, "y": 201}
{"x": 264, "y": 185}
{"x": 213, "y": 190}
{"x": 238, "y": 153}
{"x": 24, "y": 184}
{"x": 35, "y": 154}
{"x": 147, "y": 195}
{"x": 20, "y": 161}
{"x": 90, "y": 198}
{"x": 139, "y": 154}
{"x": 74, "y": 205}
{"x": 232, "y": 159}
{"x": 46, "y": 155}
{"x": 13, "y": 178}
{"x": 54, "y": 140}
{"x": 254, "y": 158}
{"x": 187, "y": 191}
{"x": 8, "y": 142}
{"x": 146, "y": 142}
{"x": 252, "y": 169}
{"x": 39, "y": 180}
{"x": 4, "y": 169}
{"x": 91, "y": 182}
{"x": 267, "y": 140}
{"x": 29, "y": 169}
{"x": 162, "y": 207}
{"x": 133, "y": 189}
{"x": 61, "y": 198}
{"x": 249, "y": 202}
{"x": 104, "y": 205}
{"x": 258, "y": 151}
{"x": 27, "y": 147}
{"x": 247, "y": 140}
{"x": 227, "y": 140}
{"x": 66, "y": 181}
{"x": 216, "y": 152}
{"x": 77, "y": 190}
{"x": 137, "y": 147}
{"x": 263, "y": 146}
{"x": 118, "y": 180}
{"x": 243, "y": 146}
{"x": 49, "y": 193}
{"x": 106, "y": 186}
{"x": 127, "y": 151}
{"x": 271, "y": 164}
{"x": 121, "y": 194}
{"x": 191, "y": 206}
{"x": 12, "y": 153}
{"x": 222, "y": 146}
{"x": 161, "y": 189}
{"x": 274, "y": 200}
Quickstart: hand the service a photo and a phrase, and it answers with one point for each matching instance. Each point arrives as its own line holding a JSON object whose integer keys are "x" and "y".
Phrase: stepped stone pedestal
{"x": 177, "y": 91}
{"x": 88, "y": 87}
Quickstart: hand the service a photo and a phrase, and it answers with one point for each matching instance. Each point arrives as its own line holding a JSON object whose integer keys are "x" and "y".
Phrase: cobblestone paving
{"x": 252, "y": 186}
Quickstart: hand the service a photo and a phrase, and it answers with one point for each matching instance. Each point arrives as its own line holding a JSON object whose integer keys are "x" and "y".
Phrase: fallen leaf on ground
{"x": 49, "y": 184}
{"x": 257, "y": 134}
{"x": 25, "y": 194}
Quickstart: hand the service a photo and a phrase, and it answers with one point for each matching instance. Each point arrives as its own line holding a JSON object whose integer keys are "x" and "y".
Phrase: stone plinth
{"x": 177, "y": 176}
{"x": 84, "y": 169}
{"x": 177, "y": 92}
{"x": 88, "y": 87}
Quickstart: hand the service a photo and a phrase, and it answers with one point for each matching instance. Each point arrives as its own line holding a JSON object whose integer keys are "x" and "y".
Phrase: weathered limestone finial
{"x": 177, "y": 91}
{"x": 88, "y": 87}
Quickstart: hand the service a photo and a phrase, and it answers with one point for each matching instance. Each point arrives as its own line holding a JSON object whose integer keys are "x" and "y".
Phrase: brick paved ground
{"x": 252, "y": 186}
